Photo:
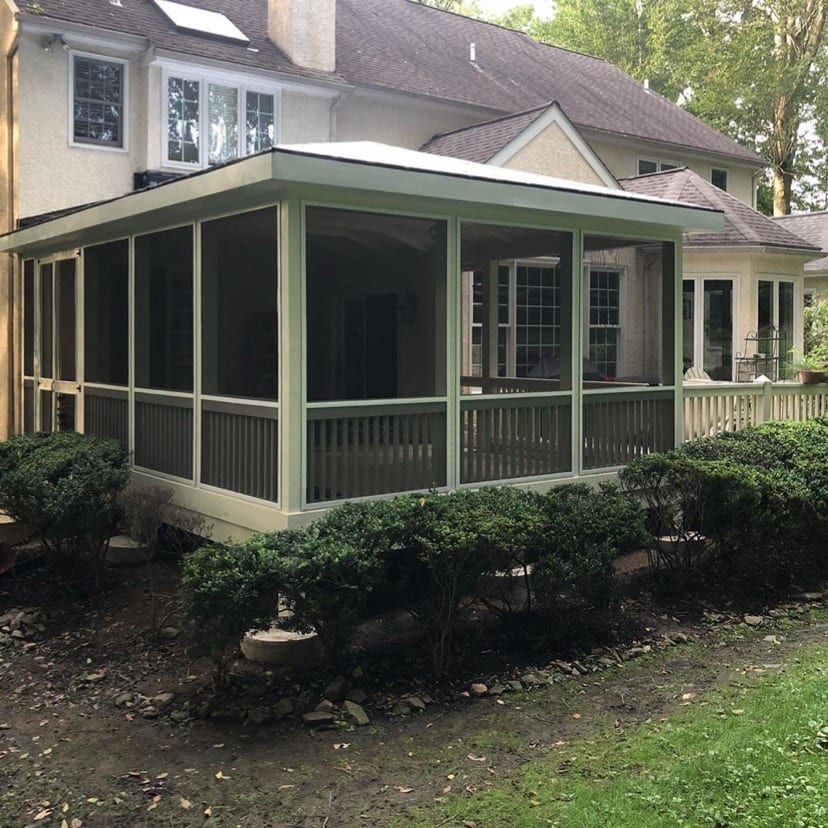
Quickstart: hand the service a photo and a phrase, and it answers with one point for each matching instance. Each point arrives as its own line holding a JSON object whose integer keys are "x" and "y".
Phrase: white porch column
{"x": 292, "y": 393}
{"x": 490, "y": 323}
{"x": 578, "y": 266}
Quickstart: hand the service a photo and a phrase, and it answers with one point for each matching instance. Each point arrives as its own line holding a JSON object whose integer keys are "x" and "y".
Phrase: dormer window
{"x": 718, "y": 178}
{"x": 653, "y": 165}
{"x": 211, "y": 121}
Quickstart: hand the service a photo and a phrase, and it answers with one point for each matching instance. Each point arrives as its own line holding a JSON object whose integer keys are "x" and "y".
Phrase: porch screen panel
{"x": 240, "y": 324}
{"x": 28, "y": 317}
{"x": 46, "y": 321}
{"x": 106, "y": 313}
{"x": 106, "y": 413}
{"x": 376, "y": 322}
{"x": 164, "y": 310}
{"x": 628, "y": 413}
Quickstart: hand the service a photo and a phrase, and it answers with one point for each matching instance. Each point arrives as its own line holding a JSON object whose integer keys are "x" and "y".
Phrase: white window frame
{"x": 736, "y": 345}
{"x": 242, "y": 83}
{"x": 726, "y": 172}
{"x": 659, "y": 162}
{"x": 798, "y": 308}
{"x": 123, "y": 147}
{"x": 621, "y": 270}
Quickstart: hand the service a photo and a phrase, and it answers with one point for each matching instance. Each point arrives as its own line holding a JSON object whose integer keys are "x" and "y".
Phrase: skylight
{"x": 201, "y": 21}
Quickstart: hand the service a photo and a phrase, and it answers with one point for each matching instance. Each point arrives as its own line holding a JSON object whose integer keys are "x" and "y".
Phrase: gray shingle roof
{"x": 408, "y": 47}
{"x": 743, "y": 226}
{"x": 481, "y": 142}
{"x": 814, "y": 228}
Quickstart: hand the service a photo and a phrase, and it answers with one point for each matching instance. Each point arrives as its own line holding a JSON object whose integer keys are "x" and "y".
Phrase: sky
{"x": 543, "y": 7}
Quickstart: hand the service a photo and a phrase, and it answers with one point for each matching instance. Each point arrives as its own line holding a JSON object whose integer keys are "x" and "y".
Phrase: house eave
{"x": 84, "y": 35}
{"x": 761, "y": 249}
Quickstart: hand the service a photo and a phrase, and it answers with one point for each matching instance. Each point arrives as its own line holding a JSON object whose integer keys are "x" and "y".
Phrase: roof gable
{"x": 743, "y": 226}
{"x": 495, "y": 142}
{"x": 814, "y": 228}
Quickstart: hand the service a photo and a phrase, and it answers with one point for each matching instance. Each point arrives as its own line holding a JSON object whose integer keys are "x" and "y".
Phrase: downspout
{"x": 11, "y": 266}
{"x": 335, "y": 106}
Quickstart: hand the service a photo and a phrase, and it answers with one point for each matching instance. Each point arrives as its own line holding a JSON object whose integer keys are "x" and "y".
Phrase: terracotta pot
{"x": 810, "y": 376}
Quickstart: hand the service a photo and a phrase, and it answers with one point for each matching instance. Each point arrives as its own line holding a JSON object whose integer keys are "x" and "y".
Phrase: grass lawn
{"x": 752, "y": 754}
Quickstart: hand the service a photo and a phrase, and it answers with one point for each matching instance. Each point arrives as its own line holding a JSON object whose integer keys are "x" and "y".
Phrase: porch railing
{"x": 164, "y": 433}
{"x": 106, "y": 413}
{"x": 505, "y": 437}
{"x": 621, "y": 426}
{"x": 363, "y": 449}
{"x": 710, "y": 408}
{"x": 239, "y": 447}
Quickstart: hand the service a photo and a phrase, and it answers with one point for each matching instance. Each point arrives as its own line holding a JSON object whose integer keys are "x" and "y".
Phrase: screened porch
{"x": 317, "y": 342}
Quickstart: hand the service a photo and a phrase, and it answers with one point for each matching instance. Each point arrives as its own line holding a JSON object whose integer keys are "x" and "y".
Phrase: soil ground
{"x": 70, "y": 756}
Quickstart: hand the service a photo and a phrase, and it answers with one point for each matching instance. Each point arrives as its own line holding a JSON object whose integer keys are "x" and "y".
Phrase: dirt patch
{"x": 89, "y": 731}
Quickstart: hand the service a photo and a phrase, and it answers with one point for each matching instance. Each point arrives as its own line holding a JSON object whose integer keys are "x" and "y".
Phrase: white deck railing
{"x": 712, "y": 407}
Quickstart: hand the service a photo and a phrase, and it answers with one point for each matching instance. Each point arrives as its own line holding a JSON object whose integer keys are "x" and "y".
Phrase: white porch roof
{"x": 358, "y": 167}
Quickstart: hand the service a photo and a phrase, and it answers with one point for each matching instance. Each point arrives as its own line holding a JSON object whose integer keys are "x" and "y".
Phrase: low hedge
{"x": 64, "y": 487}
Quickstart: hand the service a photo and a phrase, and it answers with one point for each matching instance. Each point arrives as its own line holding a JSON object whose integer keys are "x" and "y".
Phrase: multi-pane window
{"x": 604, "y": 320}
{"x": 98, "y": 101}
{"x": 652, "y": 165}
{"x": 528, "y": 314}
{"x": 210, "y": 123}
{"x": 718, "y": 178}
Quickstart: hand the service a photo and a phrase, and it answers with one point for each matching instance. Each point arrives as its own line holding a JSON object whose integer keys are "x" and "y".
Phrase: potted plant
{"x": 811, "y": 366}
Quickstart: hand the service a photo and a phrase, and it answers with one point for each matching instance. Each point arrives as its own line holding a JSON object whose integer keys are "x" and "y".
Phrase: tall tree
{"x": 750, "y": 67}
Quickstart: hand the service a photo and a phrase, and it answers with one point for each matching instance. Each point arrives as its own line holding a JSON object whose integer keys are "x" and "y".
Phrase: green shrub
{"x": 227, "y": 590}
{"x": 64, "y": 487}
{"x": 584, "y": 531}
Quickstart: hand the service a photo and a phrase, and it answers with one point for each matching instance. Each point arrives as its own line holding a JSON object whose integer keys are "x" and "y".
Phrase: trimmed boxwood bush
{"x": 584, "y": 530}
{"x": 64, "y": 487}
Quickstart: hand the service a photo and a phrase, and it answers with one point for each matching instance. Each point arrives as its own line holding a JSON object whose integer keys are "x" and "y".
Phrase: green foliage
{"x": 228, "y": 590}
{"x": 816, "y": 330}
{"x": 64, "y": 487}
{"x": 584, "y": 530}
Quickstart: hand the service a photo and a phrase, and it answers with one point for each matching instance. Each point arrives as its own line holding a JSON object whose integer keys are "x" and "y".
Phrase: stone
{"x": 256, "y": 716}
{"x": 356, "y": 713}
{"x": 282, "y": 648}
{"x": 325, "y": 706}
{"x": 401, "y": 709}
{"x": 17, "y": 634}
{"x": 149, "y": 713}
{"x": 318, "y": 718}
{"x": 336, "y": 690}
{"x": 257, "y": 690}
{"x": 812, "y": 597}
{"x": 357, "y": 674}
{"x": 753, "y": 620}
{"x": 92, "y": 678}
{"x": 180, "y": 716}
{"x": 606, "y": 661}
{"x": 514, "y": 685}
{"x": 497, "y": 690}
{"x": 163, "y": 700}
{"x": 478, "y": 689}
{"x": 168, "y": 633}
{"x": 284, "y": 707}
{"x": 357, "y": 695}
{"x": 530, "y": 680}
{"x": 415, "y": 703}
{"x": 122, "y": 699}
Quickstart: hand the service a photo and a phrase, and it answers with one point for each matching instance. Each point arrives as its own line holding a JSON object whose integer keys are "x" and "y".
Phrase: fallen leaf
{"x": 476, "y": 758}
{"x": 403, "y": 790}
{"x": 576, "y": 715}
{"x": 208, "y": 811}
{"x": 737, "y": 711}
{"x": 469, "y": 823}
{"x": 471, "y": 789}
{"x": 65, "y": 807}
{"x": 447, "y": 789}
{"x": 42, "y": 814}
{"x": 162, "y": 776}
{"x": 76, "y": 823}
{"x": 342, "y": 746}
{"x": 220, "y": 775}
{"x": 186, "y": 804}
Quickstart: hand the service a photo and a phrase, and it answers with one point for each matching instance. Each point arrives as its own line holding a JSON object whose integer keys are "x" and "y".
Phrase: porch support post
{"x": 672, "y": 331}
{"x": 578, "y": 265}
{"x": 291, "y": 305}
{"x": 490, "y": 322}
{"x": 454, "y": 352}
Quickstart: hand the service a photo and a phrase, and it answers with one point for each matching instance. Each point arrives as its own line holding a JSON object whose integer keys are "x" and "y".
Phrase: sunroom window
{"x": 210, "y": 122}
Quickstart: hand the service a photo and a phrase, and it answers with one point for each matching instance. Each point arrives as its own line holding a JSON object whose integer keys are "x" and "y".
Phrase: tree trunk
{"x": 782, "y": 180}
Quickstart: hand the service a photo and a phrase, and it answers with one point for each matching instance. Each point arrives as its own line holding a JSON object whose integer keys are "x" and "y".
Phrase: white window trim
{"x": 659, "y": 162}
{"x": 798, "y": 307}
{"x": 621, "y": 270}
{"x": 243, "y": 83}
{"x": 736, "y": 344}
{"x": 124, "y": 146}
{"x": 726, "y": 173}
